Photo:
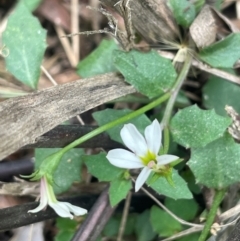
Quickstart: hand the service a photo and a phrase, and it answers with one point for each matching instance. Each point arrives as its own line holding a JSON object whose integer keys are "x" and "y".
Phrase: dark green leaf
{"x": 178, "y": 191}
{"x": 100, "y": 167}
{"x": 26, "y": 41}
{"x": 217, "y": 165}
{"x": 99, "y": 61}
{"x": 184, "y": 208}
{"x": 218, "y": 93}
{"x": 163, "y": 223}
{"x": 149, "y": 73}
{"x": 143, "y": 227}
{"x": 68, "y": 170}
{"x": 108, "y": 115}
{"x": 224, "y": 53}
{"x": 193, "y": 127}
{"x": 183, "y": 11}
{"x": 118, "y": 190}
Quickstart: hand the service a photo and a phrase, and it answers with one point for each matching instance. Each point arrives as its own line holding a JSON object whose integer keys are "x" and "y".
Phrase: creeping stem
{"x": 212, "y": 213}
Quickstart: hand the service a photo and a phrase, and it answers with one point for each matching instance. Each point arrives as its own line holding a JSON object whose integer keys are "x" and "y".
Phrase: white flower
{"x": 63, "y": 209}
{"x": 144, "y": 152}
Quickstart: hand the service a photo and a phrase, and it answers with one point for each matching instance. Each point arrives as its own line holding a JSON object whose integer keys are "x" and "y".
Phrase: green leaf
{"x": 218, "y": 93}
{"x": 108, "y": 115}
{"x": 31, "y": 4}
{"x": 118, "y": 190}
{"x": 112, "y": 227}
{"x": 26, "y": 41}
{"x": 68, "y": 170}
{"x": 180, "y": 189}
{"x": 217, "y": 165}
{"x": 66, "y": 224}
{"x": 149, "y": 73}
{"x": 100, "y": 167}
{"x": 143, "y": 227}
{"x": 193, "y": 127}
{"x": 66, "y": 229}
{"x": 183, "y": 11}
{"x": 224, "y": 53}
{"x": 99, "y": 61}
{"x": 184, "y": 208}
{"x": 163, "y": 223}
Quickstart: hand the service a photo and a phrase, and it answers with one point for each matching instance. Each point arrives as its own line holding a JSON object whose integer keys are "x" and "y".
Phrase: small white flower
{"x": 144, "y": 151}
{"x": 47, "y": 197}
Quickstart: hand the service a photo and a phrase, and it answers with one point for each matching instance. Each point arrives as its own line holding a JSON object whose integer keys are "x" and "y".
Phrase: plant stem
{"x": 176, "y": 88}
{"x": 212, "y": 213}
{"x": 121, "y": 120}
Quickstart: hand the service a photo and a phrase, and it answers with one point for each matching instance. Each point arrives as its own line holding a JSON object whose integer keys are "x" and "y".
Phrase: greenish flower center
{"x": 148, "y": 158}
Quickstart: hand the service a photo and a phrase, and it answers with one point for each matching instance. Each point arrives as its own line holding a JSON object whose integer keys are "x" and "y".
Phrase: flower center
{"x": 149, "y": 157}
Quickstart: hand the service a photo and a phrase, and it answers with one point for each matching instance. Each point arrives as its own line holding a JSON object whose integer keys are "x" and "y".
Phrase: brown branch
{"x": 25, "y": 118}
{"x": 62, "y": 135}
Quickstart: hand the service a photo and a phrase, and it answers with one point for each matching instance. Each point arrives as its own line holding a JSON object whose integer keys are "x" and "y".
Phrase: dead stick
{"x": 23, "y": 119}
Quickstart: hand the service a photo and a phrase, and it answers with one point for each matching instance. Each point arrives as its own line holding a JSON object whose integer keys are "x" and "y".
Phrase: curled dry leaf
{"x": 210, "y": 26}
{"x": 151, "y": 18}
{"x": 234, "y": 129}
{"x": 204, "y": 28}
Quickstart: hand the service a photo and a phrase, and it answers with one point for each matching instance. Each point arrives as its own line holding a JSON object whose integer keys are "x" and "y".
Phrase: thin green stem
{"x": 166, "y": 140}
{"x": 121, "y": 120}
{"x": 176, "y": 88}
{"x": 212, "y": 213}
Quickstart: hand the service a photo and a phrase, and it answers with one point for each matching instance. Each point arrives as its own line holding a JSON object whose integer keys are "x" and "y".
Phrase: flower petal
{"x": 143, "y": 176}
{"x": 41, "y": 206}
{"x": 153, "y": 135}
{"x": 61, "y": 209}
{"x": 165, "y": 159}
{"x": 124, "y": 159}
{"x": 43, "y": 197}
{"x": 134, "y": 140}
{"x": 77, "y": 211}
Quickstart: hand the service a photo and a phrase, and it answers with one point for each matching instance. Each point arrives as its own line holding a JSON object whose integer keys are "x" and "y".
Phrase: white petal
{"x": 134, "y": 140}
{"x": 61, "y": 209}
{"x": 153, "y": 135}
{"x": 143, "y": 176}
{"x": 165, "y": 159}
{"x": 77, "y": 211}
{"x": 43, "y": 197}
{"x": 124, "y": 159}
{"x": 41, "y": 206}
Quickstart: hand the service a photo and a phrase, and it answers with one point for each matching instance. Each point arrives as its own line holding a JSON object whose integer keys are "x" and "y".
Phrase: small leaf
{"x": 100, "y": 167}
{"x": 31, "y": 4}
{"x": 217, "y": 165}
{"x": 218, "y": 93}
{"x": 26, "y": 41}
{"x": 180, "y": 189}
{"x": 99, "y": 61}
{"x": 68, "y": 170}
{"x": 112, "y": 227}
{"x": 193, "y": 127}
{"x": 108, "y": 115}
{"x": 224, "y": 53}
{"x": 163, "y": 223}
{"x": 66, "y": 224}
{"x": 118, "y": 190}
{"x": 143, "y": 227}
{"x": 184, "y": 208}
{"x": 149, "y": 73}
{"x": 183, "y": 11}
